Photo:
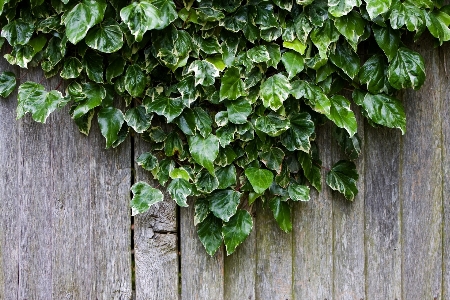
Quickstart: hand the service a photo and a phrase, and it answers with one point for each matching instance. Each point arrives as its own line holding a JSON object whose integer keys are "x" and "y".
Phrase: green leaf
{"x": 351, "y": 27}
{"x": 260, "y": 179}
{"x": 223, "y": 204}
{"x": 275, "y": 55}
{"x": 346, "y": 59}
{"x": 236, "y": 230}
{"x": 406, "y": 70}
{"x": 201, "y": 210}
{"x": 293, "y": 62}
{"x": 179, "y": 190}
{"x": 179, "y": 173}
{"x": 322, "y": 37}
{"x": 342, "y": 115}
{"x": 382, "y": 109}
{"x": 258, "y": 54}
{"x": 238, "y": 110}
{"x": 110, "y": 120}
{"x": 147, "y": 161}
{"x": 232, "y": 87}
{"x": 350, "y": 145}
{"x": 282, "y": 213}
{"x": 407, "y": 14}
{"x": 167, "y": 10}
{"x": 377, "y": 7}
{"x": 295, "y": 45}
{"x": 93, "y": 64}
{"x": 339, "y": 8}
{"x": 144, "y": 196}
{"x": 72, "y": 68}
{"x": 298, "y": 135}
{"x": 204, "y": 150}
{"x": 388, "y": 40}
{"x": 141, "y": 17}
{"x": 217, "y": 61}
{"x": 135, "y": 81}
{"x": 437, "y": 23}
{"x": 92, "y": 96}
{"x": 272, "y": 124}
{"x": 205, "y": 182}
{"x": 226, "y": 176}
{"x": 7, "y": 83}
{"x": 205, "y": 72}
{"x": 82, "y": 17}
{"x": 18, "y": 32}
{"x": 310, "y": 170}
{"x": 317, "y": 99}
{"x": 138, "y": 119}
{"x": 298, "y": 192}
{"x": 273, "y": 158}
{"x": 210, "y": 234}
{"x": 165, "y": 106}
{"x": 33, "y": 98}
{"x": 274, "y": 91}
{"x": 106, "y": 38}
{"x": 115, "y": 69}
{"x": 374, "y": 74}
{"x": 342, "y": 178}
{"x": 173, "y": 145}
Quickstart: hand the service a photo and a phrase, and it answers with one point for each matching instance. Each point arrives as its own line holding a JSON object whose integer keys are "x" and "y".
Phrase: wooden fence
{"x": 66, "y": 227}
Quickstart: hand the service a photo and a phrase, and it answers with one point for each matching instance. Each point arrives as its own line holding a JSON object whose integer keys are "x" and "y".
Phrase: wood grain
{"x": 202, "y": 276}
{"x": 155, "y": 242}
{"x": 312, "y": 234}
{"x": 421, "y": 185}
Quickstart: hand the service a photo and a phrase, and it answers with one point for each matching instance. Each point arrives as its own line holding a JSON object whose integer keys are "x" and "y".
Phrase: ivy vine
{"x": 228, "y": 93}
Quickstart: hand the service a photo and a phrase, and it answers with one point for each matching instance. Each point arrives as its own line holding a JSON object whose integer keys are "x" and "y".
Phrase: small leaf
{"x": 273, "y": 158}
{"x": 260, "y": 179}
{"x": 298, "y": 192}
{"x": 293, "y": 63}
{"x": 18, "y": 32}
{"x": 201, "y": 210}
{"x": 165, "y": 106}
{"x": 135, "y": 81}
{"x": 205, "y": 72}
{"x": 346, "y": 59}
{"x": 232, "y": 86}
{"x": 210, "y": 234}
{"x": 388, "y": 40}
{"x": 342, "y": 115}
{"x": 147, "y": 161}
{"x": 223, "y": 204}
{"x": 272, "y": 124}
{"x": 342, "y": 178}
{"x": 179, "y": 173}
{"x": 310, "y": 170}
{"x": 204, "y": 150}
{"x": 406, "y": 70}
{"x": 236, "y": 230}
{"x": 374, "y": 74}
{"x": 144, "y": 196}
{"x": 377, "y": 7}
{"x": 138, "y": 119}
{"x": 298, "y": 135}
{"x": 141, "y": 17}
{"x": 274, "y": 91}
{"x": 110, "y": 120}
{"x": 106, "y": 38}
{"x": 238, "y": 110}
{"x": 295, "y": 45}
{"x": 281, "y": 213}
{"x": 179, "y": 190}
{"x": 351, "y": 26}
{"x": 7, "y": 83}
{"x": 72, "y": 68}
{"x": 258, "y": 54}
{"x": 339, "y": 8}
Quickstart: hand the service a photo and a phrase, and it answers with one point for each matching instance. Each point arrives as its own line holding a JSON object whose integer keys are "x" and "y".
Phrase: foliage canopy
{"x": 228, "y": 93}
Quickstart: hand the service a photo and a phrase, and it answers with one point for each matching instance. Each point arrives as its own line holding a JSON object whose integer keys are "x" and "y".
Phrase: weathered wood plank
{"x": 382, "y": 213}
{"x": 240, "y": 270}
{"x": 312, "y": 235}
{"x": 155, "y": 243}
{"x": 9, "y": 195}
{"x": 421, "y": 187}
{"x": 348, "y": 233}
{"x": 273, "y": 257}
{"x": 202, "y": 276}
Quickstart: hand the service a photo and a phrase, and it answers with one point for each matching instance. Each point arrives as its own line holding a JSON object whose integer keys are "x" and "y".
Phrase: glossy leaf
{"x": 204, "y": 150}
{"x": 141, "y": 17}
{"x": 406, "y": 70}
{"x": 298, "y": 192}
{"x": 274, "y": 91}
{"x": 342, "y": 115}
{"x": 7, "y": 83}
{"x": 110, "y": 120}
{"x": 282, "y": 213}
{"x": 293, "y": 62}
{"x": 342, "y": 178}
{"x": 144, "y": 196}
{"x": 165, "y": 106}
{"x": 179, "y": 189}
{"x": 210, "y": 234}
{"x": 223, "y": 204}
{"x": 205, "y": 72}
{"x": 232, "y": 86}
{"x": 260, "y": 179}
{"x": 135, "y": 81}
{"x": 107, "y": 38}
{"x": 138, "y": 119}
{"x": 236, "y": 230}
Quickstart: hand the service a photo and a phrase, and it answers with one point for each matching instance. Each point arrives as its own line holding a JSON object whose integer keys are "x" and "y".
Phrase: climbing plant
{"x": 228, "y": 93}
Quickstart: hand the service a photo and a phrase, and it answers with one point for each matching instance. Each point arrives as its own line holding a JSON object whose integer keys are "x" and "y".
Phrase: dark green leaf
{"x": 236, "y": 230}
{"x": 342, "y": 178}
{"x": 106, "y": 38}
{"x": 273, "y": 158}
{"x": 232, "y": 86}
{"x": 281, "y": 213}
{"x": 93, "y": 64}
{"x": 293, "y": 63}
{"x": 272, "y": 124}
{"x": 165, "y": 106}
{"x": 7, "y": 83}
{"x": 310, "y": 170}
{"x": 407, "y": 70}
{"x": 210, "y": 234}
{"x": 138, "y": 119}
{"x": 18, "y": 32}
{"x": 238, "y": 110}
{"x": 388, "y": 40}
{"x": 110, "y": 120}
{"x": 147, "y": 161}
{"x": 72, "y": 68}
{"x": 342, "y": 115}
{"x": 298, "y": 135}
{"x": 346, "y": 59}
{"x": 223, "y": 204}
{"x": 260, "y": 179}
{"x": 298, "y": 192}
{"x": 205, "y": 182}
{"x": 135, "y": 81}
{"x": 179, "y": 190}
{"x": 226, "y": 176}
{"x": 141, "y": 17}
{"x": 204, "y": 150}
{"x": 201, "y": 210}
{"x": 374, "y": 74}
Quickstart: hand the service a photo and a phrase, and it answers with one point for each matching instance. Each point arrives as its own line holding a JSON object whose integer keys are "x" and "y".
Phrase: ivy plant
{"x": 229, "y": 94}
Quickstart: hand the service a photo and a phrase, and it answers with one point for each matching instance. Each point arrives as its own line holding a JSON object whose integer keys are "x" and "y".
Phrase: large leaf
{"x": 317, "y": 98}
{"x": 322, "y": 37}
{"x": 437, "y": 23}
{"x": 406, "y": 70}
{"x": 107, "y": 38}
{"x": 33, "y": 98}
{"x": 272, "y": 124}
{"x": 205, "y": 72}
{"x": 342, "y": 115}
{"x": 273, "y": 158}
{"x": 281, "y": 213}
{"x": 339, "y": 8}
{"x": 298, "y": 192}
{"x": 82, "y": 17}
{"x": 110, "y": 120}
{"x": 204, "y": 150}
{"x": 144, "y": 196}
{"x": 7, "y": 83}
{"x": 138, "y": 119}
{"x": 374, "y": 74}
{"x": 165, "y": 106}
{"x": 238, "y": 110}
{"x": 298, "y": 135}
{"x": 72, "y": 68}
{"x": 342, "y": 178}
{"x": 377, "y": 7}
{"x": 260, "y": 179}
{"x": 135, "y": 81}
{"x": 274, "y": 91}
{"x": 141, "y": 17}
{"x": 351, "y": 26}
{"x": 226, "y": 176}
{"x": 179, "y": 190}
{"x": 388, "y": 40}
{"x": 147, "y": 161}
{"x": 409, "y": 15}
{"x": 223, "y": 204}
{"x": 236, "y": 230}
{"x": 293, "y": 63}
{"x": 167, "y": 10}
{"x": 346, "y": 59}
{"x": 232, "y": 86}
{"x": 210, "y": 234}
{"x": 18, "y": 32}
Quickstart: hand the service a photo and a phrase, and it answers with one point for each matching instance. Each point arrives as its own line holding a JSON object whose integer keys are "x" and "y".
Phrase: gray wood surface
{"x": 421, "y": 185}
{"x": 155, "y": 243}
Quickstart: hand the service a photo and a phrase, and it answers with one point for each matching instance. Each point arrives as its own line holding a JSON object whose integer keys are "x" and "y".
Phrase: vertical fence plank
{"x": 348, "y": 234}
{"x": 422, "y": 184}
{"x": 9, "y": 195}
{"x": 382, "y": 211}
{"x": 273, "y": 258}
{"x": 240, "y": 270}
{"x": 202, "y": 276}
{"x": 312, "y": 235}
{"x": 155, "y": 243}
